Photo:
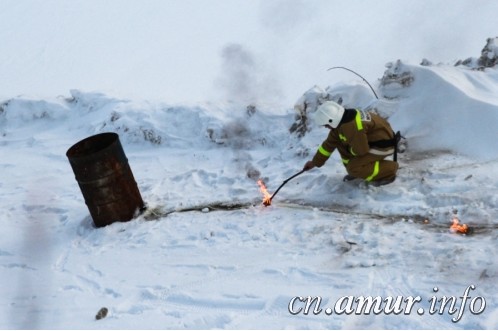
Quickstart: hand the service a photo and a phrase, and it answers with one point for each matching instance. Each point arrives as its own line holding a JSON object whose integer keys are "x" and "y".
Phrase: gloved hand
{"x": 308, "y": 166}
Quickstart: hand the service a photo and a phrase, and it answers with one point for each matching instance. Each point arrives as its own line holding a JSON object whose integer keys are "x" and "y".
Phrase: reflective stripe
{"x": 351, "y": 150}
{"x": 374, "y": 173}
{"x": 342, "y": 137}
{"x": 345, "y": 161}
{"x": 359, "y": 124}
{"x": 379, "y": 152}
{"x": 323, "y": 151}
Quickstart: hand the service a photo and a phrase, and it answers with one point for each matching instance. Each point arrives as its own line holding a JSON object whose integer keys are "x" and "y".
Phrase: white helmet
{"x": 329, "y": 113}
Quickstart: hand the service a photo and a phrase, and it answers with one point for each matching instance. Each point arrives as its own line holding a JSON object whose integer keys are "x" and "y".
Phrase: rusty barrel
{"x": 105, "y": 179}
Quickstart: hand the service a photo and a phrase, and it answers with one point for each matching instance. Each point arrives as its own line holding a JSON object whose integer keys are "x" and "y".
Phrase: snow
{"x": 470, "y": 98}
{"x": 239, "y": 268}
{"x": 207, "y": 254}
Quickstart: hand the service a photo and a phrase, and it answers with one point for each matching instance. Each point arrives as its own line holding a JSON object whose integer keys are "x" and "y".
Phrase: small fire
{"x": 458, "y": 227}
{"x": 266, "y": 195}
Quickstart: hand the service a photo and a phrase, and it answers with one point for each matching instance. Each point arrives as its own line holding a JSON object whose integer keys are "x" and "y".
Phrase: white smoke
{"x": 246, "y": 79}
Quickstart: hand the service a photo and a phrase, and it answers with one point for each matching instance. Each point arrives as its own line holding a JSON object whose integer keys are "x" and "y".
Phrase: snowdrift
{"x": 453, "y": 109}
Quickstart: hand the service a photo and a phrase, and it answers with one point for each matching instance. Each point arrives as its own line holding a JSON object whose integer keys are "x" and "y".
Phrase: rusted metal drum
{"x": 105, "y": 179}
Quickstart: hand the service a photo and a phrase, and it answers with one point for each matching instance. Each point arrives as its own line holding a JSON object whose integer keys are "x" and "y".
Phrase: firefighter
{"x": 363, "y": 140}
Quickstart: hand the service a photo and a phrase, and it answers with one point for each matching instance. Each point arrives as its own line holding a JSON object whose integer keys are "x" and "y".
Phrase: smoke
{"x": 237, "y": 136}
{"x": 289, "y": 17}
{"x": 246, "y": 79}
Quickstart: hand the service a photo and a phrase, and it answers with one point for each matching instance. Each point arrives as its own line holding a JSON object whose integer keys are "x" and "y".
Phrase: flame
{"x": 266, "y": 194}
{"x": 457, "y": 227}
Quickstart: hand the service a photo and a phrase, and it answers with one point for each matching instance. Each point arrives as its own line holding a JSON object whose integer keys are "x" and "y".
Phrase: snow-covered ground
{"x": 216, "y": 267}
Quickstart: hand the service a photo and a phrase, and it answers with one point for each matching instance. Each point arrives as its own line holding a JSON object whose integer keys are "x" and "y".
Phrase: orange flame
{"x": 266, "y": 195}
{"x": 457, "y": 227}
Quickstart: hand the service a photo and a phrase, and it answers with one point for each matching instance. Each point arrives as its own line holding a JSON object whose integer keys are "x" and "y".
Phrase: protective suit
{"x": 363, "y": 140}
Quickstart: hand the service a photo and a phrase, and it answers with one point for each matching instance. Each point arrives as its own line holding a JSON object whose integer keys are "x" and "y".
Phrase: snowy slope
{"x": 470, "y": 99}
{"x": 215, "y": 267}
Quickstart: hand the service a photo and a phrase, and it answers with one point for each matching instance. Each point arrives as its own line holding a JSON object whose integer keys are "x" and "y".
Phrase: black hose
{"x": 358, "y": 76}
{"x": 285, "y": 182}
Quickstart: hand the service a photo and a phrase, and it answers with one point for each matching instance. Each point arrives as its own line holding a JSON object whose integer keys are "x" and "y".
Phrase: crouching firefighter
{"x": 363, "y": 140}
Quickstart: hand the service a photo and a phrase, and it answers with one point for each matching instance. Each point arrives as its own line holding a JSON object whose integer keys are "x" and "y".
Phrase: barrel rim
{"x": 73, "y": 151}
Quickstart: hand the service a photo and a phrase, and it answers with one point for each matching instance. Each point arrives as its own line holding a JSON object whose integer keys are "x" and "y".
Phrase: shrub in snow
{"x": 307, "y": 104}
{"x": 425, "y": 62}
{"x": 489, "y": 54}
{"x": 397, "y": 74}
{"x": 471, "y": 62}
{"x": 251, "y": 110}
{"x": 3, "y": 105}
{"x": 488, "y": 59}
{"x": 310, "y": 100}
{"x": 151, "y": 136}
